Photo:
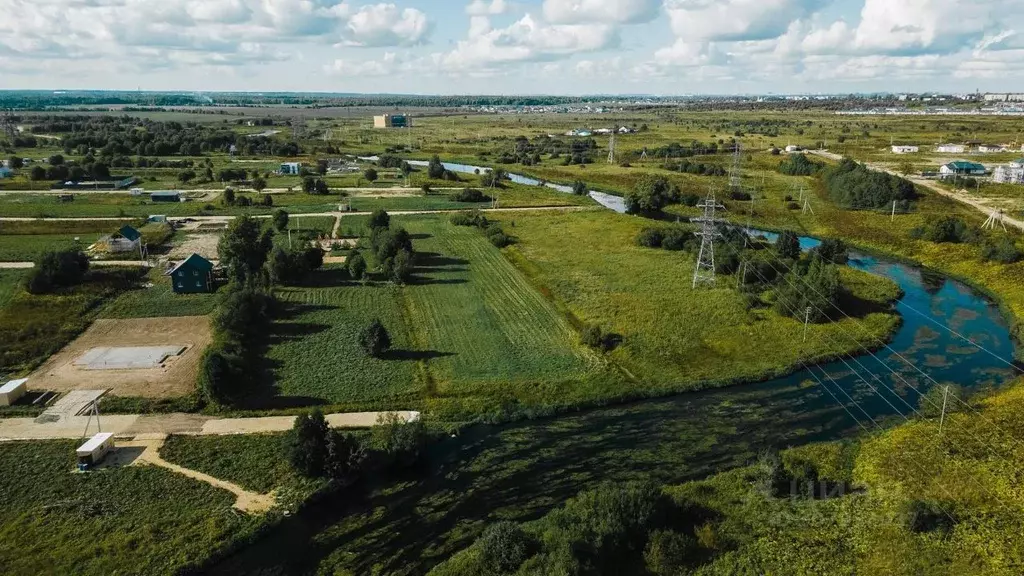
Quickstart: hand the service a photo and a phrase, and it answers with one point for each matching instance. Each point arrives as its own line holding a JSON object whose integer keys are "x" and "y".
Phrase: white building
{"x": 961, "y": 168}
{"x": 11, "y": 391}
{"x": 290, "y": 168}
{"x": 1008, "y": 174}
{"x": 951, "y": 148}
{"x": 905, "y": 149}
{"x": 793, "y": 148}
{"x": 990, "y": 148}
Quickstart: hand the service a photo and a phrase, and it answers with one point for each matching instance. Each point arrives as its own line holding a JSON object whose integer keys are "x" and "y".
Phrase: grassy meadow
{"x": 674, "y": 337}
{"x": 57, "y": 521}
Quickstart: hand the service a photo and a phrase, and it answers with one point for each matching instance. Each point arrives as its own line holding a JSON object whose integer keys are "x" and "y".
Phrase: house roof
{"x": 193, "y": 261}
{"x": 12, "y": 385}
{"x": 167, "y": 193}
{"x": 129, "y": 233}
{"x": 965, "y": 165}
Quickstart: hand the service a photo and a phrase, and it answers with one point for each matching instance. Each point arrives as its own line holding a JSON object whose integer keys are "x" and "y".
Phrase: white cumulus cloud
{"x": 601, "y": 11}
{"x": 487, "y": 8}
{"x": 386, "y": 25}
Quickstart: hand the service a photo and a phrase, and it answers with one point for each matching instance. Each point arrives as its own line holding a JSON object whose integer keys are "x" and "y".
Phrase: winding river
{"x": 522, "y": 470}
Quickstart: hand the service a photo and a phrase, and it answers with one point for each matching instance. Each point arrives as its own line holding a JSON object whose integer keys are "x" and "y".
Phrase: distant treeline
{"x": 115, "y": 136}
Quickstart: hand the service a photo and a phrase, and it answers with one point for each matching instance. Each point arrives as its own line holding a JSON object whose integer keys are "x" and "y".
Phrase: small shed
{"x": 193, "y": 275}
{"x": 127, "y": 239}
{"x": 165, "y": 196}
{"x": 12, "y": 391}
{"x": 92, "y": 452}
{"x": 291, "y": 168}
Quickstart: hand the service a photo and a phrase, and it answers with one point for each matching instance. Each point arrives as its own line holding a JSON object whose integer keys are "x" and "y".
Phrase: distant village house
{"x": 961, "y": 168}
{"x": 194, "y": 275}
{"x": 905, "y": 149}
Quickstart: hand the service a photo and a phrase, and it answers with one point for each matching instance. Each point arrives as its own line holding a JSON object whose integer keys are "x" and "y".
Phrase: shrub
{"x": 929, "y": 516}
{"x": 371, "y": 175}
{"x": 280, "y": 219}
{"x": 494, "y": 178}
{"x": 944, "y": 229}
{"x": 650, "y": 194}
{"x": 470, "y": 195}
{"x": 855, "y": 186}
{"x": 818, "y": 290}
{"x": 344, "y": 456}
{"x": 668, "y": 553}
{"x": 55, "y": 270}
{"x": 401, "y": 443}
{"x": 800, "y": 165}
{"x": 504, "y": 546}
{"x": 379, "y": 219}
{"x": 1003, "y": 250}
{"x": 356, "y": 265}
{"x": 930, "y": 403}
{"x": 219, "y": 374}
{"x": 374, "y": 339}
{"x": 387, "y": 243}
{"x": 689, "y": 199}
{"x": 650, "y": 237}
{"x": 308, "y": 444}
{"x": 676, "y": 238}
{"x": 831, "y": 250}
{"x": 598, "y": 339}
{"x": 229, "y": 197}
{"x": 579, "y": 188}
{"x": 788, "y": 245}
{"x": 471, "y": 218}
{"x": 740, "y": 196}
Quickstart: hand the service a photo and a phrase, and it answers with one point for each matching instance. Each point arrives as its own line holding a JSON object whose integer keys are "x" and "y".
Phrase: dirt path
{"x": 337, "y": 226}
{"x": 20, "y": 265}
{"x": 73, "y": 427}
{"x": 975, "y": 203}
{"x": 246, "y": 501}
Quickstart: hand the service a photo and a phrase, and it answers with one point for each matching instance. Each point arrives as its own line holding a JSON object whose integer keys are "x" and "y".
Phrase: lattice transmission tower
{"x": 611, "y": 148}
{"x": 8, "y": 126}
{"x": 704, "y": 273}
{"x": 735, "y": 175}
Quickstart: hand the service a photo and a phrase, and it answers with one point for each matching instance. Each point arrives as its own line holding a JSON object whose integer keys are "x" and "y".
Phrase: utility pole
{"x": 807, "y": 320}
{"x": 942, "y": 418}
{"x": 704, "y": 273}
{"x": 893, "y": 219}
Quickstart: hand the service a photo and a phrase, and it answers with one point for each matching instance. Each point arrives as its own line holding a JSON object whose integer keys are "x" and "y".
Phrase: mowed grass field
{"x": 314, "y": 355}
{"x": 142, "y": 519}
{"x": 674, "y": 338}
{"x": 492, "y": 331}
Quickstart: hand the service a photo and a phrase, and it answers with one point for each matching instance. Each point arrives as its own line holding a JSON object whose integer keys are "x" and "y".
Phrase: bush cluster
{"x": 855, "y": 186}
{"x": 470, "y": 195}
{"x": 242, "y": 317}
{"x": 55, "y": 270}
{"x": 800, "y": 165}
{"x": 945, "y": 229}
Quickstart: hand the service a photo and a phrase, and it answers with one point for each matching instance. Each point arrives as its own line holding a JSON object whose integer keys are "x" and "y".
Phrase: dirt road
{"x": 975, "y": 203}
{"x": 74, "y": 427}
{"x": 19, "y": 265}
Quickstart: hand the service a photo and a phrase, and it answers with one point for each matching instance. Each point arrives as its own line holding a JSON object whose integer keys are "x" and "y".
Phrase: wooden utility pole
{"x": 942, "y": 418}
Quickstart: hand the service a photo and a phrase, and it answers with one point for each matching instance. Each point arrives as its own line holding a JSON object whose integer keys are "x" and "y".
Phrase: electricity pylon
{"x": 611, "y": 148}
{"x": 704, "y": 273}
{"x": 735, "y": 176}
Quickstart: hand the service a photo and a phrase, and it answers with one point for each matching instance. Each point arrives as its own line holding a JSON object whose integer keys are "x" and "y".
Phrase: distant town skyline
{"x": 558, "y": 47}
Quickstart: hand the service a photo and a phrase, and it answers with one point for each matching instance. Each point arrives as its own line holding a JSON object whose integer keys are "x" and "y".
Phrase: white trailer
{"x": 92, "y": 452}
{"x": 11, "y": 391}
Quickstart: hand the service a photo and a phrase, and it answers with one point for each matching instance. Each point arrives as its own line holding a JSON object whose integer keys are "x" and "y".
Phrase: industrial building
{"x": 165, "y": 196}
{"x": 1013, "y": 173}
{"x": 392, "y": 121}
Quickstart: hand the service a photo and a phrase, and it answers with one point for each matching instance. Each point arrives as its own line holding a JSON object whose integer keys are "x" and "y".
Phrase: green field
{"x": 9, "y": 285}
{"x": 57, "y": 521}
{"x": 26, "y": 248}
{"x": 314, "y": 355}
{"x": 495, "y": 334}
{"x": 157, "y": 300}
{"x": 674, "y": 338}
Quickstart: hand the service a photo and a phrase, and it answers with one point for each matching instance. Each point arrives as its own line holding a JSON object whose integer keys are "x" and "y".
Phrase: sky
{"x": 659, "y": 47}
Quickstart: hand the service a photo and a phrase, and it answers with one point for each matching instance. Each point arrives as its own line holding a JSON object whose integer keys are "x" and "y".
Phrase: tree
{"x": 267, "y": 200}
{"x": 494, "y": 178}
{"x": 401, "y": 267}
{"x": 816, "y": 291}
{"x": 905, "y": 167}
{"x": 320, "y": 187}
{"x": 399, "y": 441}
{"x": 321, "y": 167}
{"x": 308, "y": 446}
{"x": 379, "y": 219}
{"x": 55, "y": 160}
{"x": 186, "y": 176}
{"x": 307, "y": 184}
{"x": 374, "y": 339}
{"x": 650, "y": 194}
{"x": 788, "y": 245}
{"x": 435, "y": 168}
{"x": 259, "y": 184}
{"x": 15, "y": 162}
{"x": 229, "y": 196}
{"x": 579, "y": 188}
{"x": 243, "y": 249}
{"x": 371, "y": 175}
{"x": 345, "y": 456}
{"x": 219, "y": 374}
{"x": 504, "y": 546}
{"x": 37, "y": 173}
{"x": 832, "y": 250}
{"x": 356, "y": 265}
{"x": 55, "y": 270}
{"x": 280, "y": 219}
